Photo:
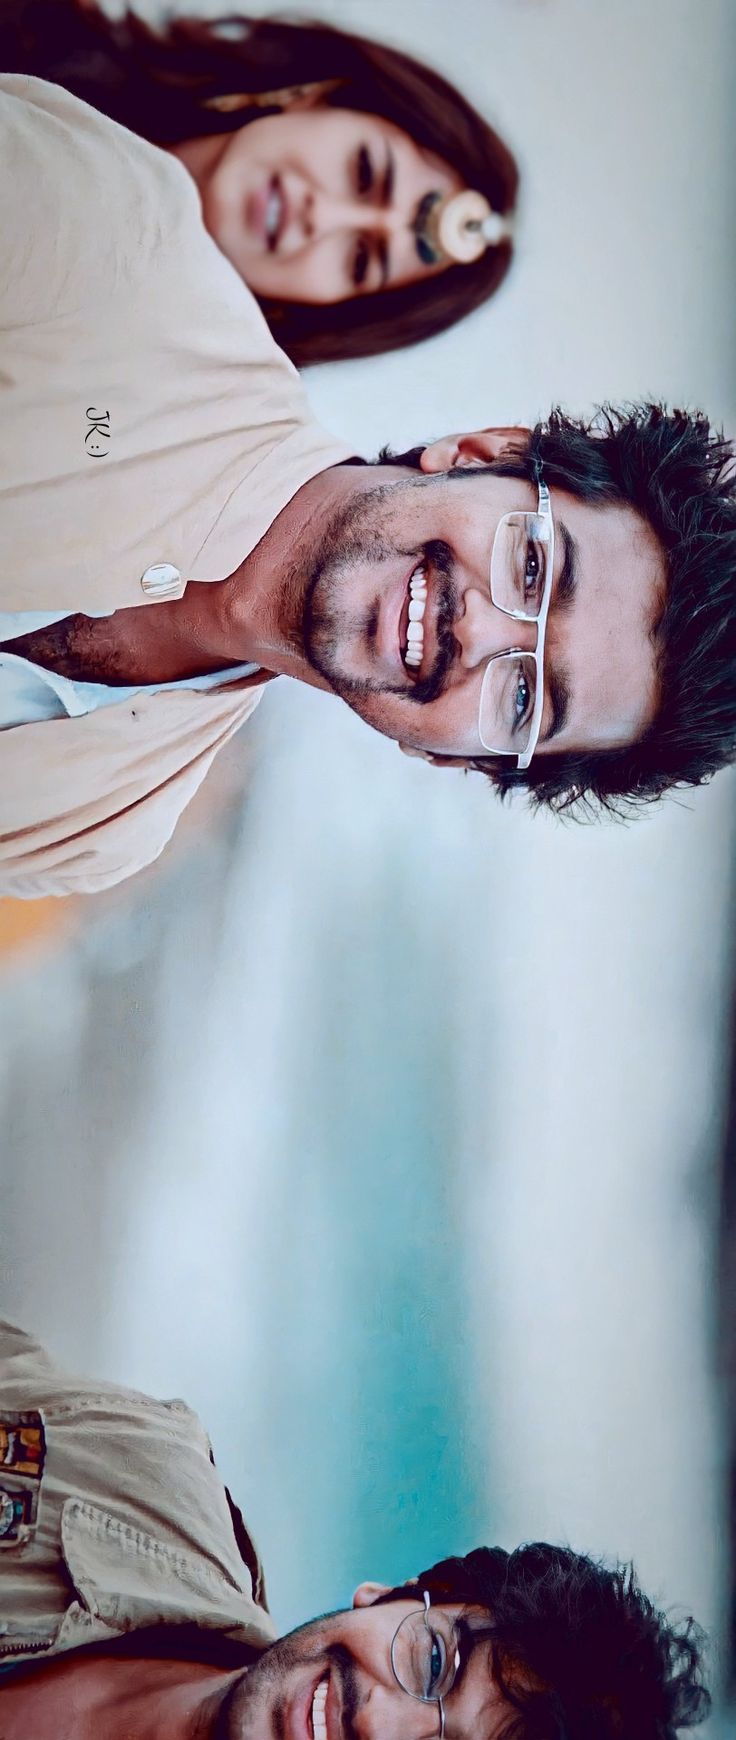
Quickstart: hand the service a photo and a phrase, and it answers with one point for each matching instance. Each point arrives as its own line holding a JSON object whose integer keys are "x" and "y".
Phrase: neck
{"x": 255, "y": 615}
{"x": 82, "y": 1696}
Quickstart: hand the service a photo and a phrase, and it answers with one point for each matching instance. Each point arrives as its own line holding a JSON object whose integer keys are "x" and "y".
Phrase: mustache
{"x": 437, "y": 557}
{"x": 343, "y": 1667}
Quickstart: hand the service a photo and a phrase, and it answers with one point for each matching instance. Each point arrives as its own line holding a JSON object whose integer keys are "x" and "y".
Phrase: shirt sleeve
{"x": 86, "y": 207}
{"x": 91, "y": 800}
{"x": 20, "y": 1355}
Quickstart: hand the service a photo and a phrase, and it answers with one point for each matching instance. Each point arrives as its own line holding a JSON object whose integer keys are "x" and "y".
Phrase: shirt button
{"x": 162, "y": 580}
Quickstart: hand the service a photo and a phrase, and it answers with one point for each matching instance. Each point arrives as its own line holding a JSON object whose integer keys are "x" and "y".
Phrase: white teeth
{"x": 319, "y": 1720}
{"x": 415, "y": 631}
{"x": 273, "y": 213}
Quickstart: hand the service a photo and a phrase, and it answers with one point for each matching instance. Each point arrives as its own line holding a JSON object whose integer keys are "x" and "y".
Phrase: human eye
{"x": 359, "y": 263}
{"x": 534, "y": 572}
{"x": 522, "y": 697}
{"x": 436, "y": 1661}
{"x": 364, "y": 173}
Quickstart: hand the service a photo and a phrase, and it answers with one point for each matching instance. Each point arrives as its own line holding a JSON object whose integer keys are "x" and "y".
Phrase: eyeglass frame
{"x": 438, "y": 1700}
{"x": 544, "y": 510}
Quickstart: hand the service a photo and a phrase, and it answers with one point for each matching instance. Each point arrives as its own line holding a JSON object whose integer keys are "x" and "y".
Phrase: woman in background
{"x": 325, "y": 163}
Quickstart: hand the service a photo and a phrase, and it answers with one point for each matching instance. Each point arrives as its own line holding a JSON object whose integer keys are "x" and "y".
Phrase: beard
{"x": 253, "y": 1707}
{"x": 360, "y": 537}
{"x": 354, "y": 538}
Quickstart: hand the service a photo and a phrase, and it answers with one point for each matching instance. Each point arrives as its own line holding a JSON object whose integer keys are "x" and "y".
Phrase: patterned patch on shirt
{"x": 22, "y": 1457}
{"x": 18, "y": 1512}
{"x": 22, "y": 1446}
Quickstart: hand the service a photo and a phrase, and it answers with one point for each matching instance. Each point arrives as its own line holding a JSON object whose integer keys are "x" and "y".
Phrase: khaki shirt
{"x": 114, "y": 302}
{"x": 112, "y": 1516}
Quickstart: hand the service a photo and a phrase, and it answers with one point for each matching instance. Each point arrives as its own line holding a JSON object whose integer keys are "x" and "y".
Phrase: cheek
{"x": 220, "y": 215}
{"x": 224, "y": 195}
{"x": 447, "y": 726}
{"x": 318, "y": 273}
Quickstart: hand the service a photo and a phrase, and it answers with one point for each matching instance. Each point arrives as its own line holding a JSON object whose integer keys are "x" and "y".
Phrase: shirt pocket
{"x": 127, "y": 1578}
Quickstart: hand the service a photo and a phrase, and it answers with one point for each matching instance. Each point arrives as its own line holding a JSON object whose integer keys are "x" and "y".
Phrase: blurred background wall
{"x": 383, "y": 1123}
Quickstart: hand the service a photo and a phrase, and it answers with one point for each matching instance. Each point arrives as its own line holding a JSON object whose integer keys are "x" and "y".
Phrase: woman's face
{"x": 317, "y": 205}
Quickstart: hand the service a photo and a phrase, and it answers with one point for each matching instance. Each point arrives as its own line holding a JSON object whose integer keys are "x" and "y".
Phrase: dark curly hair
{"x": 577, "y": 1650}
{"x": 161, "y": 84}
{"x": 679, "y": 474}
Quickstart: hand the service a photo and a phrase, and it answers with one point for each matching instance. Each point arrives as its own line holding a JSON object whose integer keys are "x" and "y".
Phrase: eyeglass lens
{"x": 519, "y": 573}
{"x": 423, "y": 1655}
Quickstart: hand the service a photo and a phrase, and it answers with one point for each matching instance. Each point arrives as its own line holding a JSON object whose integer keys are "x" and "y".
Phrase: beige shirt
{"x": 114, "y": 302}
{"x": 112, "y": 1516}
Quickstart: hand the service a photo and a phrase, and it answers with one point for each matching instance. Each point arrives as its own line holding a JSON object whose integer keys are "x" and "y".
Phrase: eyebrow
{"x": 566, "y": 588}
{"x": 381, "y": 252}
{"x": 389, "y": 176}
{"x": 387, "y": 188}
{"x": 558, "y": 689}
{"x": 565, "y": 592}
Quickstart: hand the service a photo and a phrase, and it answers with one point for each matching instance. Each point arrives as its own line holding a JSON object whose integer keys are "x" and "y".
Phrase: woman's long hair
{"x": 159, "y": 83}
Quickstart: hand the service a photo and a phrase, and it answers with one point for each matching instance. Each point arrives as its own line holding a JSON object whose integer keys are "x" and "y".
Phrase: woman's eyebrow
{"x": 389, "y": 177}
{"x": 382, "y": 256}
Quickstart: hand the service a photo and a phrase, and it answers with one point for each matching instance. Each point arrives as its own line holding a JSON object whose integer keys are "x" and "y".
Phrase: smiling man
{"x": 554, "y": 608}
{"x": 132, "y": 1603}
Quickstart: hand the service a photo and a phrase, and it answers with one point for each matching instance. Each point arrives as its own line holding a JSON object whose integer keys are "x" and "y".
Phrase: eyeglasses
{"x": 425, "y": 1656}
{"x": 512, "y": 695}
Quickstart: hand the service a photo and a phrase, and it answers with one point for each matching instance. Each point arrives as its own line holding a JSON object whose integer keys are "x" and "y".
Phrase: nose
{"x": 389, "y": 1712}
{"x": 324, "y": 215}
{"x": 481, "y": 629}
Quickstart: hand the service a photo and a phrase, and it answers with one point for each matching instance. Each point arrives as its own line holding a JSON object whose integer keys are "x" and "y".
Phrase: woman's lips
{"x": 266, "y": 213}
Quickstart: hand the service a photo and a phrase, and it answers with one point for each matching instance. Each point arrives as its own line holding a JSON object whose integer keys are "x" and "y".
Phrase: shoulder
{"x": 33, "y": 110}
{"x": 83, "y": 202}
{"x": 115, "y": 1494}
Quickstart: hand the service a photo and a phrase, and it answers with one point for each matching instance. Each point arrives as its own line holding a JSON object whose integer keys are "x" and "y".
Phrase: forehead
{"x": 350, "y": 127}
{"x": 606, "y": 643}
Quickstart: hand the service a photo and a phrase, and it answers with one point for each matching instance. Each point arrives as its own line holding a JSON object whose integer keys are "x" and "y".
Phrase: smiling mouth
{"x": 319, "y": 1710}
{"x": 275, "y": 217}
{"x": 411, "y": 621}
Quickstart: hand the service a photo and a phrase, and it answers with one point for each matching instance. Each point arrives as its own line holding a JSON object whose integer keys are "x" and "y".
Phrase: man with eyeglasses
{"x": 554, "y": 608}
{"x": 132, "y": 1603}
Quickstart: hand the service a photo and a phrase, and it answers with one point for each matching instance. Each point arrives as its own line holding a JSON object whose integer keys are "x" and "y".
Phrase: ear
{"x": 456, "y": 452}
{"x": 367, "y": 1593}
{"x": 434, "y": 760}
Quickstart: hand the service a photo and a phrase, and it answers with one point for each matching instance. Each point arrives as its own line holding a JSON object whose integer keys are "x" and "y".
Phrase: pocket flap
{"x": 127, "y": 1578}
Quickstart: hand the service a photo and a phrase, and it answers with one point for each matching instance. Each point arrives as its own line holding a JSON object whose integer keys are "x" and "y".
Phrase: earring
{"x": 458, "y": 229}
